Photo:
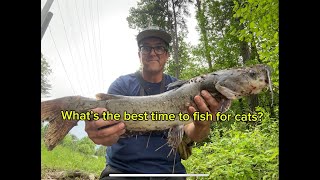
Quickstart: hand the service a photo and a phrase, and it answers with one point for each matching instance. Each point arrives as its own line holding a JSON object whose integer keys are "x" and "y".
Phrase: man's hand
{"x": 199, "y": 130}
{"x": 104, "y": 136}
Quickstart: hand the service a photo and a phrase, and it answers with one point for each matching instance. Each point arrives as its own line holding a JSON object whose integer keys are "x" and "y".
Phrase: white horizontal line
{"x": 156, "y": 175}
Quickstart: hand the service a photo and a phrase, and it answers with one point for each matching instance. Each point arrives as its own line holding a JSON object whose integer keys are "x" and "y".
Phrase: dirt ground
{"x": 50, "y": 174}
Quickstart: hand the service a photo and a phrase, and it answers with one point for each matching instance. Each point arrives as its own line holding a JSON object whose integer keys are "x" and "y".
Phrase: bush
{"x": 239, "y": 153}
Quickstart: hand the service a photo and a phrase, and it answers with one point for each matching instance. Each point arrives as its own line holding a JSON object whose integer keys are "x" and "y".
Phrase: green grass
{"x": 63, "y": 158}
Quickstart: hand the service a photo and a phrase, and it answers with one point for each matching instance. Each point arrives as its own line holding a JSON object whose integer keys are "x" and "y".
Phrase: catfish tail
{"x": 51, "y": 109}
{"x": 57, "y": 127}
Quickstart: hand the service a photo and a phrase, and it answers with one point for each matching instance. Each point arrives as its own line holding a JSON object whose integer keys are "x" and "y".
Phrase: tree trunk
{"x": 175, "y": 42}
{"x": 245, "y": 53}
{"x": 203, "y": 31}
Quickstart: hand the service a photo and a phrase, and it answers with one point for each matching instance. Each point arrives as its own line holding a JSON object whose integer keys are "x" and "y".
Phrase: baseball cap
{"x": 154, "y": 31}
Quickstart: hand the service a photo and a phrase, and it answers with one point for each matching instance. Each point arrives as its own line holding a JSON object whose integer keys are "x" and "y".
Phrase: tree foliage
{"x": 101, "y": 151}
{"x": 260, "y": 19}
{"x": 84, "y": 145}
{"x": 45, "y": 72}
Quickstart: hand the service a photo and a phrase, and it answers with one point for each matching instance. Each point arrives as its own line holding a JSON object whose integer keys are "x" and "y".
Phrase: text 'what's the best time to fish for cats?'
{"x": 157, "y": 116}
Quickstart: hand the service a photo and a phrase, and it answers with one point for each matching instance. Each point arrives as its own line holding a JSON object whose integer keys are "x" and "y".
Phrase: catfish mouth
{"x": 255, "y": 91}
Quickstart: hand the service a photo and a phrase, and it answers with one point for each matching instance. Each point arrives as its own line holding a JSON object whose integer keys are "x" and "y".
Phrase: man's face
{"x": 153, "y": 61}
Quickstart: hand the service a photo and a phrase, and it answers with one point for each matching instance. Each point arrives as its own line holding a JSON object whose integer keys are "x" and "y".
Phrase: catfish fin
{"x": 176, "y": 84}
{"x": 228, "y": 93}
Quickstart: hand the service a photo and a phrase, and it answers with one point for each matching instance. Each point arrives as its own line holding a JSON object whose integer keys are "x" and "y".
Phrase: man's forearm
{"x": 197, "y": 133}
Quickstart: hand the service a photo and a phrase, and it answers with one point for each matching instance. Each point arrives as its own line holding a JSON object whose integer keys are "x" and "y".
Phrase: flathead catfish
{"x": 225, "y": 85}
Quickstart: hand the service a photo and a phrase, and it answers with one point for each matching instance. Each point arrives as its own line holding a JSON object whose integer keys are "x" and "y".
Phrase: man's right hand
{"x": 104, "y": 136}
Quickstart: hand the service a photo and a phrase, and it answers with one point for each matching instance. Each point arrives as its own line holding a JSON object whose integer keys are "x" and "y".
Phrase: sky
{"x": 88, "y": 44}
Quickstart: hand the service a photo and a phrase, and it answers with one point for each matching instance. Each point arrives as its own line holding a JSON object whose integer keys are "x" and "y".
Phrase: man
{"x": 138, "y": 154}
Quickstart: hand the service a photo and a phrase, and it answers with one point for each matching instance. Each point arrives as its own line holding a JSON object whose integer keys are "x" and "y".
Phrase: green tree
{"x": 45, "y": 72}
{"x": 43, "y": 129}
{"x": 101, "y": 151}
{"x": 70, "y": 141}
{"x": 86, "y": 146}
{"x": 259, "y": 20}
{"x": 230, "y": 35}
{"x": 190, "y": 65}
{"x": 202, "y": 22}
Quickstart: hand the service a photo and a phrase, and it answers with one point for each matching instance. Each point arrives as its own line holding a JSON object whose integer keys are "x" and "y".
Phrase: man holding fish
{"x": 140, "y": 154}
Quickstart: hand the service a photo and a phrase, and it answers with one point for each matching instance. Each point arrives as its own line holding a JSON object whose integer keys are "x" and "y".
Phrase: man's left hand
{"x": 199, "y": 130}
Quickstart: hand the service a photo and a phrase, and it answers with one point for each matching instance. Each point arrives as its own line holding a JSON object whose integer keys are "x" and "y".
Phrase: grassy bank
{"x": 65, "y": 159}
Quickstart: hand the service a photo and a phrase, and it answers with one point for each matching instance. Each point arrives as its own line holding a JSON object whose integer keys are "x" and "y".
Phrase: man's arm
{"x": 199, "y": 130}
